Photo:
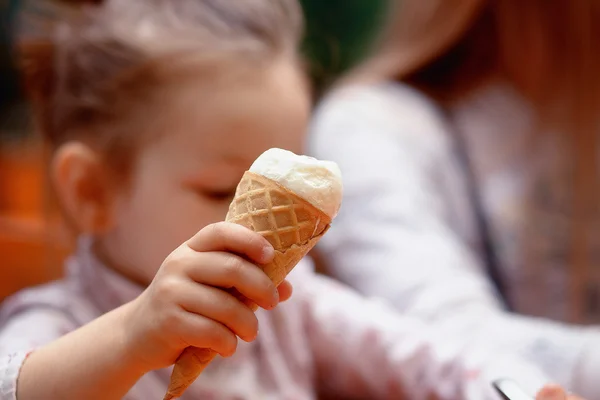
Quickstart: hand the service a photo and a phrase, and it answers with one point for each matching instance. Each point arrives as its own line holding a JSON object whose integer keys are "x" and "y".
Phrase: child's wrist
{"x": 128, "y": 346}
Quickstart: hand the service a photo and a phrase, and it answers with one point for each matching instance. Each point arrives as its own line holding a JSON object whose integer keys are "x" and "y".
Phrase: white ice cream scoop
{"x": 318, "y": 182}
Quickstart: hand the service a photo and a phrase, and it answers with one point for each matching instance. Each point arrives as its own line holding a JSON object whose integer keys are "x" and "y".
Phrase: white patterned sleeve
{"x": 21, "y": 335}
{"x": 365, "y": 349}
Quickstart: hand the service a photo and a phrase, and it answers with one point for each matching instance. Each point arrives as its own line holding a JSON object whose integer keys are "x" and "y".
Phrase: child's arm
{"x": 364, "y": 347}
{"x": 93, "y": 362}
{"x": 184, "y": 306}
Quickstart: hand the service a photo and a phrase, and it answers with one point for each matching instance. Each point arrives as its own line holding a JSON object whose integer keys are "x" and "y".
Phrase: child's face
{"x": 186, "y": 178}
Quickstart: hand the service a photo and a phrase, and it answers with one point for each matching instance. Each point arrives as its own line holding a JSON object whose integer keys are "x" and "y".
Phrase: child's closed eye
{"x": 215, "y": 185}
{"x": 217, "y": 195}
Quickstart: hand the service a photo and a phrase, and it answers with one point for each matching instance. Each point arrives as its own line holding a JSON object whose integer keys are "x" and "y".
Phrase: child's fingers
{"x": 552, "y": 392}
{"x": 221, "y": 307}
{"x": 226, "y": 270}
{"x": 224, "y": 236}
{"x": 205, "y": 333}
{"x": 285, "y": 291}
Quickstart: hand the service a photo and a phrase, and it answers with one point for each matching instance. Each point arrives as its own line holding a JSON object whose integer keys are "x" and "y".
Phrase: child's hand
{"x": 553, "y": 392}
{"x": 185, "y": 304}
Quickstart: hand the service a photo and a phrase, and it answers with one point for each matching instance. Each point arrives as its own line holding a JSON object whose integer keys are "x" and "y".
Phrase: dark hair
{"x": 88, "y": 80}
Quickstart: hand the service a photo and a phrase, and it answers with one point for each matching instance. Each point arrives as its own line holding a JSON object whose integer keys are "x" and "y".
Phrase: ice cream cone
{"x": 290, "y": 223}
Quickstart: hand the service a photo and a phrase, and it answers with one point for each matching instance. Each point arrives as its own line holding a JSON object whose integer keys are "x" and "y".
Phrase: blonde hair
{"x": 545, "y": 49}
{"x": 95, "y": 74}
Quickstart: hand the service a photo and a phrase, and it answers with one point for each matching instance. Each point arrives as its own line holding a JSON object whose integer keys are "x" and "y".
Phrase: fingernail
{"x": 276, "y": 298}
{"x": 552, "y": 393}
{"x": 251, "y": 339}
{"x": 267, "y": 253}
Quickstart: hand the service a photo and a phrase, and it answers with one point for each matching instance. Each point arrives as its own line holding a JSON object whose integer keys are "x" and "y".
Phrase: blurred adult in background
{"x": 468, "y": 146}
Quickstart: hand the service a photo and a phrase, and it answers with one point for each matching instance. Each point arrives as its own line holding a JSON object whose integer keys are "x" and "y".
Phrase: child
{"x": 154, "y": 109}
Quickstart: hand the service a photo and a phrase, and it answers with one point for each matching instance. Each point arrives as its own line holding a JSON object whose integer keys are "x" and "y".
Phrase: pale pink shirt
{"x": 326, "y": 339}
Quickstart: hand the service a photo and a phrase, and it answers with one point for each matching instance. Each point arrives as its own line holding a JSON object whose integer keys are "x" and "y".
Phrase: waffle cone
{"x": 292, "y": 225}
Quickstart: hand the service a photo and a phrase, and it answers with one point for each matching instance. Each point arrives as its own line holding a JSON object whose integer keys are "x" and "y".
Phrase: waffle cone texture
{"x": 291, "y": 224}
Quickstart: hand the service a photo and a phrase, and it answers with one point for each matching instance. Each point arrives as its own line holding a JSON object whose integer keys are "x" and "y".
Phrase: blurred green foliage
{"x": 339, "y": 33}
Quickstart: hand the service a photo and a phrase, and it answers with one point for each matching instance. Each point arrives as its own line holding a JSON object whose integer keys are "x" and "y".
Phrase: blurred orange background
{"x": 32, "y": 242}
